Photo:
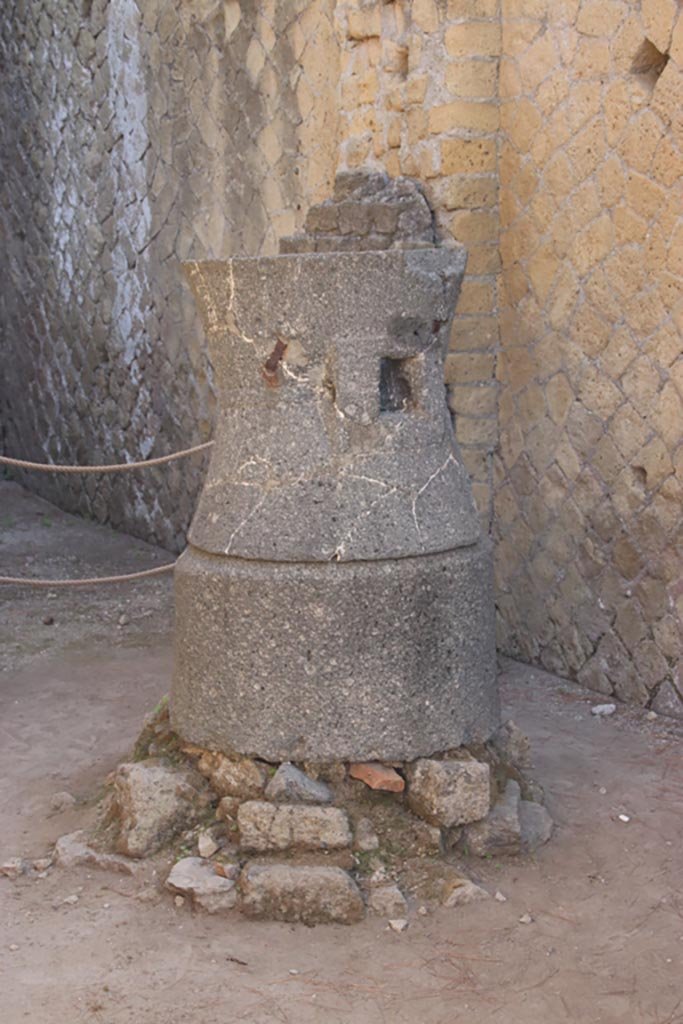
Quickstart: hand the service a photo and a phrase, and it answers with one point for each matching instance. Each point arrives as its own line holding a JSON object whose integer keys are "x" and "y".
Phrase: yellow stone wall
{"x": 418, "y": 97}
{"x": 548, "y": 137}
{"x": 588, "y": 504}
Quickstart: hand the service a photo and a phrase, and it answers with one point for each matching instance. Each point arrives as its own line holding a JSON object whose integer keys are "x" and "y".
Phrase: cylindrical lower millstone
{"x": 388, "y": 660}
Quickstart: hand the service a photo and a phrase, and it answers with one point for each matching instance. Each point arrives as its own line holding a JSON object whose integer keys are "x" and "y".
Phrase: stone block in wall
{"x": 322, "y": 218}
{"x": 469, "y": 192}
{"x": 475, "y": 117}
{"x": 480, "y": 38}
{"x": 468, "y": 156}
{"x": 370, "y": 211}
{"x": 472, "y": 79}
{"x": 364, "y": 22}
{"x": 265, "y": 827}
{"x": 475, "y": 332}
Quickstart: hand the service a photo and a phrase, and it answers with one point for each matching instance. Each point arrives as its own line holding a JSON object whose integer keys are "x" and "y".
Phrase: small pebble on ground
{"x": 399, "y": 924}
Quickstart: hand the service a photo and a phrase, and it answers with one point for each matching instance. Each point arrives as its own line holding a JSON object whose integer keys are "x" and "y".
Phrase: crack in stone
{"x": 246, "y": 519}
{"x": 367, "y": 479}
{"x": 340, "y": 548}
{"x": 269, "y": 487}
{"x": 299, "y": 378}
{"x": 231, "y": 310}
{"x": 437, "y": 472}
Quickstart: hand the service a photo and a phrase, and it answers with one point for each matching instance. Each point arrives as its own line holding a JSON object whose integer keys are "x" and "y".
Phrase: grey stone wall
{"x": 135, "y": 135}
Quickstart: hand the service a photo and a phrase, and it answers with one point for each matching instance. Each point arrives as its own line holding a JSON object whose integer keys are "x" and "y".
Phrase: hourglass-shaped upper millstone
{"x": 333, "y": 437}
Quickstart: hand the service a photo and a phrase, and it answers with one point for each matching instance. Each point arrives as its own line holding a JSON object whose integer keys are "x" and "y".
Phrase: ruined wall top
{"x": 367, "y": 211}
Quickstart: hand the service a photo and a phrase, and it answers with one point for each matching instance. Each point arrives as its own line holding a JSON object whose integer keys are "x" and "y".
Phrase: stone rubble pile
{"x": 315, "y": 843}
{"x": 367, "y": 211}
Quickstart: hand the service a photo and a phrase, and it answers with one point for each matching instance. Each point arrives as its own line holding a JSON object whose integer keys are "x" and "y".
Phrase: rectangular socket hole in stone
{"x": 395, "y": 393}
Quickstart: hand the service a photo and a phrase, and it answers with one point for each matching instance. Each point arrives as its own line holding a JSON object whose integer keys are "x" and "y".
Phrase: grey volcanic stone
{"x": 365, "y": 203}
{"x": 360, "y": 661}
{"x": 197, "y": 878}
{"x": 73, "y": 850}
{"x": 668, "y": 701}
{"x": 513, "y": 744}
{"x": 264, "y": 827}
{"x": 536, "y": 825}
{"x": 532, "y": 790}
{"x": 306, "y": 893}
{"x": 291, "y": 785}
{"x": 152, "y": 802}
{"x": 500, "y": 832}
{"x": 448, "y": 793}
{"x": 359, "y": 182}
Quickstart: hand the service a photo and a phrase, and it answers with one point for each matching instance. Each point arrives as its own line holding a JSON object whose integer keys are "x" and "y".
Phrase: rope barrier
{"x": 87, "y": 581}
{"x": 116, "y": 467}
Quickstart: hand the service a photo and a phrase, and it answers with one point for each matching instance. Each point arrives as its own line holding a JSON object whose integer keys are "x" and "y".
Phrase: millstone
{"x": 335, "y": 600}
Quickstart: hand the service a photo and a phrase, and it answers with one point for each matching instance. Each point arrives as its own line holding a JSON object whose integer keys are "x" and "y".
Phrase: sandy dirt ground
{"x": 605, "y": 943}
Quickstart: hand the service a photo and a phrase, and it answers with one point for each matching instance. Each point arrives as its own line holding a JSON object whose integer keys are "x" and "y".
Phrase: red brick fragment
{"x": 377, "y": 776}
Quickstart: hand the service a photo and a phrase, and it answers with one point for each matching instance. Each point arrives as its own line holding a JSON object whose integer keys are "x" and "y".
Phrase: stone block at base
{"x": 265, "y": 827}
{"x": 536, "y": 826}
{"x": 199, "y": 879}
{"x": 291, "y": 785}
{"x": 500, "y": 833}
{"x": 309, "y": 894}
{"x": 448, "y": 793}
{"x": 152, "y": 801}
{"x": 242, "y": 778}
